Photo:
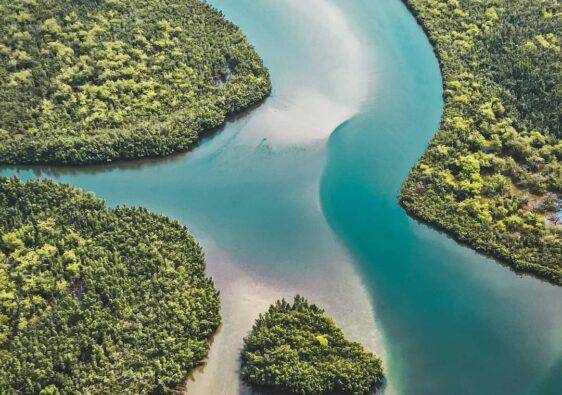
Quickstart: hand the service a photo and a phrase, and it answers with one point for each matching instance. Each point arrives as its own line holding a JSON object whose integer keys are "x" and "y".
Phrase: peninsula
{"x": 91, "y": 82}
{"x": 492, "y": 176}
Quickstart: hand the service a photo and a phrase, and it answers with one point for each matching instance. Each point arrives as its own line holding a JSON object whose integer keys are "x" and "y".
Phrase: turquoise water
{"x": 307, "y": 184}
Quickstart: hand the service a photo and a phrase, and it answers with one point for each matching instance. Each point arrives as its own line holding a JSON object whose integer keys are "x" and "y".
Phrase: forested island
{"x": 94, "y": 299}
{"x": 492, "y": 176}
{"x": 297, "y": 348}
{"x": 94, "y": 81}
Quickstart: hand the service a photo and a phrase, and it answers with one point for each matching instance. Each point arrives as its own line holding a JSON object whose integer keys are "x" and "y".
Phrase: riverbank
{"x": 245, "y": 295}
{"x": 496, "y": 147}
{"x": 148, "y": 90}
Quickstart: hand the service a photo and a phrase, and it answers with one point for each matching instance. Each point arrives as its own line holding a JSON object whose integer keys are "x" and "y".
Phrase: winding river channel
{"x": 300, "y": 196}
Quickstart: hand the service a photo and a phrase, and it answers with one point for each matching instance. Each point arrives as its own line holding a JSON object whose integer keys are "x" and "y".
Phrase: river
{"x": 300, "y": 196}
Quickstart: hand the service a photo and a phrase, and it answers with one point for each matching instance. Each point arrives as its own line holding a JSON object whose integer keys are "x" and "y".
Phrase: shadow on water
{"x": 256, "y": 390}
{"x": 56, "y": 171}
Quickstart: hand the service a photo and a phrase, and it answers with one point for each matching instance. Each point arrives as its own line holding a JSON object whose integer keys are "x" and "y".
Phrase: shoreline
{"x": 545, "y": 274}
{"x": 246, "y": 294}
{"x": 504, "y": 261}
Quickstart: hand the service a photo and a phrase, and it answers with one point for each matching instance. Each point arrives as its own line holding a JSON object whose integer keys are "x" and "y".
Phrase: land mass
{"x": 297, "y": 348}
{"x": 492, "y": 176}
{"x": 91, "y": 82}
{"x": 95, "y": 299}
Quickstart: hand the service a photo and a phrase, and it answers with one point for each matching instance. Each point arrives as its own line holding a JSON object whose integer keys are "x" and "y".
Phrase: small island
{"x": 94, "y": 81}
{"x": 492, "y": 176}
{"x": 94, "y": 299}
{"x": 297, "y": 348}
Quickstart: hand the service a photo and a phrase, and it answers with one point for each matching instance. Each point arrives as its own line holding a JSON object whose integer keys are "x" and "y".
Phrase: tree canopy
{"x": 492, "y": 176}
{"x": 93, "y": 81}
{"x": 94, "y": 299}
{"x": 297, "y": 348}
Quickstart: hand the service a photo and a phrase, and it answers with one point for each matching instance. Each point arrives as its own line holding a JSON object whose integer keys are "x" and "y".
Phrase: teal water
{"x": 300, "y": 194}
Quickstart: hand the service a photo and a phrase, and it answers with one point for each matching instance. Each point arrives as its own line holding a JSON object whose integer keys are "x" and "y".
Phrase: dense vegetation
{"x": 96, "y": 300}
{"x": 492, "y": 176}
{"x": 296, "y": 348}
{"x": 92, "y": 81}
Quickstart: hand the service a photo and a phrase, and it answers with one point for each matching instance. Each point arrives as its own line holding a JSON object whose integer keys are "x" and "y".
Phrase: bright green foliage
{"x": 96, "y": 300}
{"x": 296, "y": 348}
{"x": 93, "y": 81}
{"x": 492, "y": 176}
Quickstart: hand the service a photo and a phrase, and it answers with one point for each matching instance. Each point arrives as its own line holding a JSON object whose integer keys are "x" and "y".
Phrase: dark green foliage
{"x": 297, "y": 348}
{"x": 96, "y": 300}
{"x": 492, "y": 176}
{"x": 92, "y": 81}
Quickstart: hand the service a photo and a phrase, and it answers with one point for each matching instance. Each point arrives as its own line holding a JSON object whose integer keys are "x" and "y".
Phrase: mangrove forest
{"x": 97, "y": 300}
{"x": 492, "y": 176}
{"x": 94, "y": 81}
{"x": 297, "y": 348}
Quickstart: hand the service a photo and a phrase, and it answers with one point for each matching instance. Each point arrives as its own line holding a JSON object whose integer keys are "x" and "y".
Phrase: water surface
{"x": 300, "y": 196}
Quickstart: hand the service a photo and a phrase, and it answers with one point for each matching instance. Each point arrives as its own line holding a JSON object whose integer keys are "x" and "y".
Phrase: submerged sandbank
{"x": 244, "y": 295}
{"x": 292, "y": 128}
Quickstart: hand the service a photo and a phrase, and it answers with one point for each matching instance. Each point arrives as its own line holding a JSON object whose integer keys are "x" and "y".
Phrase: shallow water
{"x": 300, "y": 196}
